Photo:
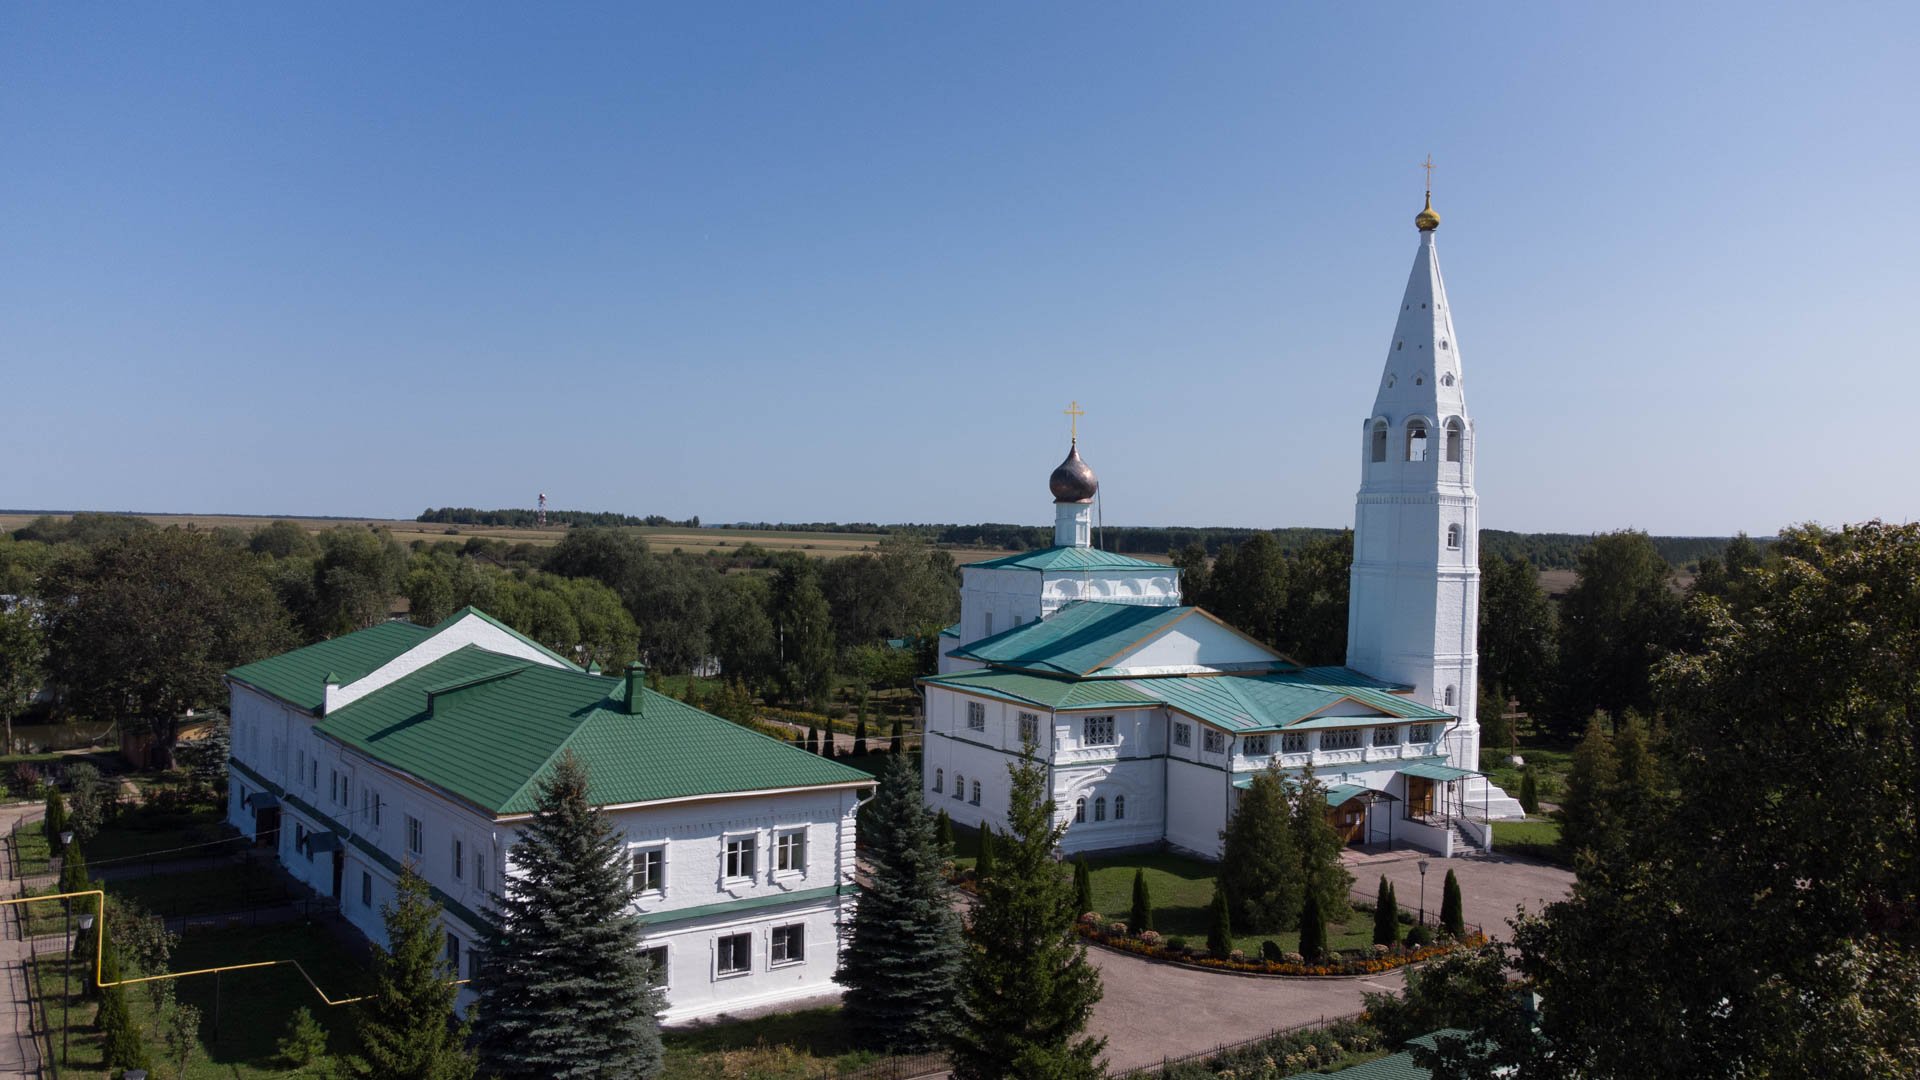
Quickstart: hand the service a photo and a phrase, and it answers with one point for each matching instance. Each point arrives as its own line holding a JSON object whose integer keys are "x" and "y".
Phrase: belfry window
{"x": 1453, "y": 538}
{"x": 1448, "y": 702}
{"x": 1379, "y": 440}
{"x": 1455, "y": 436}
{"x": 1416, "y": 440}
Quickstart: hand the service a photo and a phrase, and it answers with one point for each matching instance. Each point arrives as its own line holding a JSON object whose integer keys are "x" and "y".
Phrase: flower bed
{"x": 1379, "y": 958}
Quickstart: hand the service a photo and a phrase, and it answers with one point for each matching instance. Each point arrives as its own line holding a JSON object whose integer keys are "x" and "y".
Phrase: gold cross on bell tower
{"x": 1428, "y": 165}
{"x": 1074, "y": 412}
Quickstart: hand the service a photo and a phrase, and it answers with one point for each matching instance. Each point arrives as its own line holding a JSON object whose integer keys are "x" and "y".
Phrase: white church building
{"x": 402, "y": 744}
{"x": 1152, "y": 716}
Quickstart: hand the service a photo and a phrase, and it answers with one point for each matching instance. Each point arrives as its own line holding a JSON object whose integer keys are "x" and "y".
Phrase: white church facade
{"x": 1152, "y": 716}
{"x": 401, "y": 744}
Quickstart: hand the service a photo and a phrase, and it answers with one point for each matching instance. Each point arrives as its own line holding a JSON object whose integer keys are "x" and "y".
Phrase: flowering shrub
{"x": 1118, "y": 929}
{"x": 1151, "y": 937}
{"x": 1092, "y": 918}
{"x": 1377, "y": 959}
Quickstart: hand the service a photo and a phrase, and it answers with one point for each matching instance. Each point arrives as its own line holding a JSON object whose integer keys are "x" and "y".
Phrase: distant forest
{"x": 1547, "y": 551}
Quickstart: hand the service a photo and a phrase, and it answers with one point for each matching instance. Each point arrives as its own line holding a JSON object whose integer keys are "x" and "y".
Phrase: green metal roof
{"x": 471, "y": 610}
{"x": 1075, "y": 640}
{"x": 1395, "y": 1066}
{"x": 1048, "y": 693}
{"x": 487, "y": 728}
{"x": 1432, "y": 769}
{"x": 1069, "y": 559}
{"x": 300, "y": 677}
{"x": 1284, "y": 700}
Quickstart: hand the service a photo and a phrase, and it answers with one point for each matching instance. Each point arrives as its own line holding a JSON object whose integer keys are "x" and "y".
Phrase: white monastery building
{"x": 402, "y": 744}
{"x": 1152, "y": 716}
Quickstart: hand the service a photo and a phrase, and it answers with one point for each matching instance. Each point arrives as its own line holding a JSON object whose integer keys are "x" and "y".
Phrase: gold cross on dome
{"x": 1074, "y": 412}
{"x": 1428, "y": 165}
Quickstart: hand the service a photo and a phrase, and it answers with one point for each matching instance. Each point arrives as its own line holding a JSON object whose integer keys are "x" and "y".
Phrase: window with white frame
{"x": 649, "y": 870}
{"x": 473, "y": 963}
{"x": 976, "y": 716}
{"x": 1386, "y": 735}
{"x": 1255, "y": 745}
{"x": 1213, "y": 742}
{"x": 1293, "y": 742}
{"x": 1418, "y": 733}
{"x": 1098, "y": 731}
{"x": 1182, "y": 733}
{"x": 939, "y": 780}
{"x": 346, "y": 796}
{"x": 480, "y": 868}
{"x": 459, "y": 859}
{"x": 333, "y": 785}
{"x": 734, "y": 954}
{"x": 657, "y": 969}
{"x": 1119, "y": 807}
{"x": 300, "y": 762}
{"x": 740, "y": 851}
{"x": 1453, "y": 538}
{"x": 1029, "y": 728}
{"x": 976, "y": 793}
{"x": 366, "y": 889}
{"x": 1448, "y": 701}
{"x": 1100, "y": 808}
{"x": 959, "y": 786}
{"x": 416, "y": 836}
{"x": 790, "y": 851}
{"x": 789, "y": 944}
{"x": 453, "y": 953}
{"x": 1080, "y": 810}
{"x": 1341, "y": 739}
{"x": 313, "y": 773}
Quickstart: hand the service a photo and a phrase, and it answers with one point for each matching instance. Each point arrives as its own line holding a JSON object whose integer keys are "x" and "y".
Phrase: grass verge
{"x": 786, "y": 1046}
{"x": 1533, "y": 838}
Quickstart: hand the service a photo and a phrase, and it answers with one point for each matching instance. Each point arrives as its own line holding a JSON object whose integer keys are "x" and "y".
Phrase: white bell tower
{"x": 1414, "y": 615}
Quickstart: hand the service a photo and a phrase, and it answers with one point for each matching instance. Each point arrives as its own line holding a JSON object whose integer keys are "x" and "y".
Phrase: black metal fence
{"x": 1227, "y": 1048}
{"x": 40, "y": 1019}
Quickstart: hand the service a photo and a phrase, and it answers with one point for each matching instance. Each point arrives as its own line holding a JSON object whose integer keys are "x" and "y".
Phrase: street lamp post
{"x": 1423, "y": 892}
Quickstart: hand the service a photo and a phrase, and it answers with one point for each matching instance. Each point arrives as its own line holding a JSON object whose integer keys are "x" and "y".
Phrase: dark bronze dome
{"x": 1073, "y": 481}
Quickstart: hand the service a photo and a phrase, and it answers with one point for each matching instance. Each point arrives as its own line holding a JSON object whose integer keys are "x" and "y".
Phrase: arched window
{"x": 959, "y": 786}
{"x": 939, "y": 779}
{"x": 1449, "y": 697}
{"x": 1416, "y": 440}
{"x": 976, "y": 784}
{"x": 1080, "y": 811}
{"x": 1379, "y": 440}
{"x": 1456, "y": 437}
{"x": 1100, "y": 808}
{"x": 1453, "y": 538}
{"x": 1119, "y": 808}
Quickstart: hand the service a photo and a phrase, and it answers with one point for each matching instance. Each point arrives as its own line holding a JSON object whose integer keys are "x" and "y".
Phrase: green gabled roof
{"x": 471, "y": 610}
{"x": 300, "y": 677}
{"x": 1436, "y": 769}
{"x": 1290, "y": 699}
{"x": 1069, "y": 559}
{"x": 1075, "y": 640}
{"x": 487, "y": 728}
{"x": 1056, "y": 694}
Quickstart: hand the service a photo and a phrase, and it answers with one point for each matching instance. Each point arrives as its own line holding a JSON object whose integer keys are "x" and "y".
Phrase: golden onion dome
{"x": 1426, "y": 220}
{"x": 1073, "y": 481}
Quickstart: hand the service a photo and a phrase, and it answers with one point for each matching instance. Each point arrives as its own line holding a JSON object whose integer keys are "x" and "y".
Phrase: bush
{"x": 1142, "y": 917}
{"x": 1313, "y": 930}
{"x": 1177, "y": 943}
{"x": 304, "y": 1042}
{"x": 1529, "y": 792}
{"x": 1451, "y": 916}
{"x": 1386, "y": 911}
{"x": 1271, "y": 951}
{"x": 1220, "y": 931}
{"x": 1418, "y": 936}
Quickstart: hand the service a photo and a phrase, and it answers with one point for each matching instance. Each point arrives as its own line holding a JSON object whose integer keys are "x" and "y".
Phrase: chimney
{"x": 636, "y": 681}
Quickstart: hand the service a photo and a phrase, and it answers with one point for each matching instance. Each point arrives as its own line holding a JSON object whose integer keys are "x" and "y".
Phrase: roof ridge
{"x": 497, "y": 624}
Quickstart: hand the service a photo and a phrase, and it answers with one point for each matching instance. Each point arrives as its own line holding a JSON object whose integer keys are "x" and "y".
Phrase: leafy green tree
{"x": 143, "y": 940}
{"x": 283, "y": 540}
{"x": 1141, "y": 918}
{"x": 1516, "y": 639}
{"x": 564, "y": 989}
{"x": 1314, "y": 623}
{"x": 73, "y": 869}
{"x": 1452, "y": 918}
{"x": 902, "y": 948}
{"x": 1195, "y": 569}
{"x": 1027, "y": 988}
{"x": 174, "y": 609}
{"x": 1318, "y": 845}
{"x": 1453, "y": 991}
{"x": 182, "y": 1037}
{"x": 304, "y": 1043}
{"x": 22, "y": 664}
{"x": 1259, "y": 862}
{"x": 1219, "y": 924}
{"x": 87, "y": 807}
{"x": 983, "y": 863}
{"x": 1386, "y": 915}
{"x": 1248, "y": 586}
{"x": 359, "y": 573}
{"x": 1620, "y": 618}
{"x": 404, "y": 1023}
{"x": 1082, "y": 885}
{"x": 1496, "y": 731}
{"x": 1585, "y": 820}
{"x": 1313, "y": 929}
{"x": 802, "y": 629}
{"x": 741, "y": 632}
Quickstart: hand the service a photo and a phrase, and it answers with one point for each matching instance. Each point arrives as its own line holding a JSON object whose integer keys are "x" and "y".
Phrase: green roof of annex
{"x": 1068, "y": 558}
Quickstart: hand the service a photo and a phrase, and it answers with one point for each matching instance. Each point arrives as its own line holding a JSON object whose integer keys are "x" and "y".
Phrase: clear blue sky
{"x": 839, "y": 262}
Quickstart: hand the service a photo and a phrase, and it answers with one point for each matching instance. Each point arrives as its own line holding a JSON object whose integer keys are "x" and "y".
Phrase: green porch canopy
{"x": 1431, "y": 770}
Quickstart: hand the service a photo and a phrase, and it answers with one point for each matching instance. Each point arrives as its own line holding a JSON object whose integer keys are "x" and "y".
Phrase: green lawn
{"x": 1536, "y": 838}
{"x": 145, "y": 833}
{"x": 1550, "y": 766}
{"x": 1181, "y": 888}
{"x": 30, "y": 851}
{"x": 202, "y": 892}
{"x": 785, "y": 1046}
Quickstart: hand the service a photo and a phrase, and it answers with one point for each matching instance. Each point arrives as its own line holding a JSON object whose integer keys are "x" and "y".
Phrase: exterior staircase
{"x": 1499, "y": 806}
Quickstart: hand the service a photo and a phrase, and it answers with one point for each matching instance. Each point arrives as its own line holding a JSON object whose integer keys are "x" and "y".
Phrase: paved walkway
{"x": 1491, "y": 886}
{"x": 19, "y": 1048}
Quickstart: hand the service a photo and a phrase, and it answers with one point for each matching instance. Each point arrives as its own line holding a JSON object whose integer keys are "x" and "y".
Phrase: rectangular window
{"x": 1420, "y": 733}
{"x": 1386, "y": 735}
{"x": 976, "y": 716}
{"x": 650, "y": 870}
{"x": 989, "y": 624}
{"x": 789, "y": 944}
{"x": 1099, "y": 731}
{"x": 366, "y": 889}
{"x": 313, "y": 774}
{"x": 1293, "y": 742}
{"x": 416, "y": 836}
{"x": 1254, "y": 745}
{"x": 1214, "y": 742}
{"x": 656, "y": 964}
{"x": 333, "y": 785}
{"x": 1343, "y": 739}
{"x": 1029, "y": 728}
{"x": 300, "y": 763}
{"x": 790, "y": 851}
{"x": 473, "y": 963}
{"x": 735, "y": 954}
{"x": 346, "y": 799}
{"x": 1182, "y": 733}
{"x": 740, "y": 856}
{"x": 480, "y": 870}
{"x": 453, "y": 954}
{"x": 459, "y": 859}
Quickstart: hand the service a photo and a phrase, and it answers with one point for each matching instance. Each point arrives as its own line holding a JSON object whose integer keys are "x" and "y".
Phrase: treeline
{"x": 519, "y": 518}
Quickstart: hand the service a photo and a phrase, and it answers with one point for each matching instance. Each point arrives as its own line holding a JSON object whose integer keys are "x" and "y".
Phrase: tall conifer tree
{"x": 1313, "y": 929}
{"x": 404, "y": 1024}
{"x": 1082, "y": 885}
{"x": 1027, "y": 989}
{"x": 983, "y": 864}
{"x": 564, "y": 989}
{"x": 1386, "y": 915}
{"x": 1318, "y": 845}
{"x": 1259, "y": 865}
{"x": 1141, "y": 918}
{"x": 1451, "y": 915}
{"x": 902, "y": 948}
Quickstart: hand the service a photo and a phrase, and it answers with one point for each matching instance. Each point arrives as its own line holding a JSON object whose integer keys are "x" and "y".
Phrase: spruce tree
{"x": 1027, "y": 989}
{"x": 1313, "y": 929}
{"x": 813, "y": 739}
{"x": 123, "y": 1045}
{"x": 860, "y": 731}
{"x": 73, "y": 871}
{"x": 1259, "y": 865}
{"x": 1529, "y": 792}
{"x": 983, "y": 863}
{"x": 899, "y": 737}
{"x": 1585, "y": 824}
{"x": 902, "y": 948}
{"x": 1452, "y": 918}
{"x": 826, "y": 745}
{"x": 404, "y": 1022}
{"x": 1141, "y": 918}
{"x": 1319, "y": 845}
{"x": 943, "y": 834}
{"x": 56, "y": 820}
{"x": 564, "y": 989}
{"x": 1386, "y": 915}
{"x": 1082, "y": 885}
{"x": 1219, "y": 924}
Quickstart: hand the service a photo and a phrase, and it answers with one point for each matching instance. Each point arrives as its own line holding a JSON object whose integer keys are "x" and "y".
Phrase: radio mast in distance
{"x": 541, "y": 518}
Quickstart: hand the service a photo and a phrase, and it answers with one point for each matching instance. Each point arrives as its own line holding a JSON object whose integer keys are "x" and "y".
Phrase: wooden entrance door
{"x": 1350, "y": 821}
{"x": 1419, "y": 797}
{"x": 266, "y": 827}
